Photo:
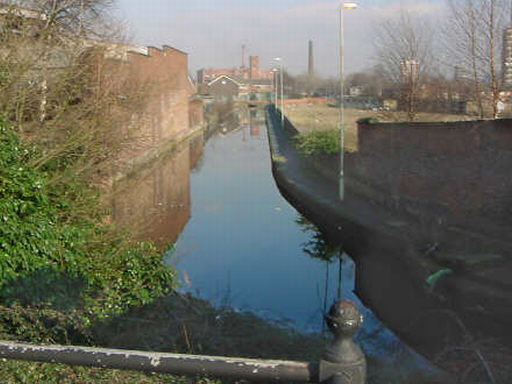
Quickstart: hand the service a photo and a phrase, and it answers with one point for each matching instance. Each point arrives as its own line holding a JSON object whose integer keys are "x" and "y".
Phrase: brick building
{"x": 253, "y": 82}
{"x": 164, "y": 107}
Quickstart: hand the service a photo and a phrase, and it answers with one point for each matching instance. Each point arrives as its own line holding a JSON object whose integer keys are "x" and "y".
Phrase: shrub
{"x": 319, "y": 142}
{"x": 54, "y": 247}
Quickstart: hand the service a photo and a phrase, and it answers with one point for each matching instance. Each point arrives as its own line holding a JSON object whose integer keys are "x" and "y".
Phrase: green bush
{"x": 54, "y": 247}
{"x": 325, "y": 142}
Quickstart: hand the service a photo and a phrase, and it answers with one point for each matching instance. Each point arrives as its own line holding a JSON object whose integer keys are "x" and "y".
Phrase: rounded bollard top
{"x": 344, "y": 318}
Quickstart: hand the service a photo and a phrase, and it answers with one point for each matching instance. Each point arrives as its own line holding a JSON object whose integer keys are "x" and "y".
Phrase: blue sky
{"x": 213, "y": 31}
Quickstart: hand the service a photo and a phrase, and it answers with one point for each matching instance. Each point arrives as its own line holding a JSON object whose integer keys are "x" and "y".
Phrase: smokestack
{"x": 243, "y": 56}
{"x": 311, "y": 64}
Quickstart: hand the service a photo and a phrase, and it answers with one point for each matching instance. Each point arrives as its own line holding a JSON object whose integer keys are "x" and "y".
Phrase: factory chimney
{"x": 311, "y": 63}
{"x": 243, "y": 56}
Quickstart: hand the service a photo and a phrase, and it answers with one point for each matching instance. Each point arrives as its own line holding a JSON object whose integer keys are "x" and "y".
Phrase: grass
{"x": 175, "y": 323}
{"x": 179, "y": 324}
{"x": 321, "y": 117}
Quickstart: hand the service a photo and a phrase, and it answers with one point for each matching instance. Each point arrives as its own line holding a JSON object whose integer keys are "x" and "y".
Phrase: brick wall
{"x": 196, "y": 117}
{"x": 159, "y": 98}
{"x": 452, "y": 173}
{"x": 163, "y": 77}
{"x": 460, "y": 168}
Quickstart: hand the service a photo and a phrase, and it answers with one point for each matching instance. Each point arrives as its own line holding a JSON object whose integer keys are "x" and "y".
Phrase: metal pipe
{"x": 274, "y": 70}
{"x": 249, "y": 369}
{"x": 342, "y": 109}
{"x": 343, "y": 5}
{"x": 282, "y": 96}
{"x": 344, "y": 362}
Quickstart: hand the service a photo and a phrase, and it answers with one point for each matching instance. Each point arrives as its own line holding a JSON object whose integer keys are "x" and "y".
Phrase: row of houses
{"x": 240, "y": 83}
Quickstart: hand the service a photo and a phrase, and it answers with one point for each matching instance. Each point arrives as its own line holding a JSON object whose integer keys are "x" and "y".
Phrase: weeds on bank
{"x": 325, "y": 142}
{"x": 49, "y": 253}
{"x": 66, "y": 114}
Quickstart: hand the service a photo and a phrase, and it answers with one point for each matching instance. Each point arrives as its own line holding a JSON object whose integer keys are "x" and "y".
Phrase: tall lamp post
{"x": 274, "y": 84}
{"x": 343, "y": 5}
{"x": 280, "y": 60}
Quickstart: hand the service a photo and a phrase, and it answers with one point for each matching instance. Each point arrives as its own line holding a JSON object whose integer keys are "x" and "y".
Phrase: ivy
{"x": 54, "y": 247}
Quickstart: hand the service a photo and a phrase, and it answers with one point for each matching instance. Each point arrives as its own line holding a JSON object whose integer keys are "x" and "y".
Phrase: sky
{"x": 212, "y": 32}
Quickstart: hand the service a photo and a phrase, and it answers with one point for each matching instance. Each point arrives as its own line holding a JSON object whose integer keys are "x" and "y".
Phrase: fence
{"x": 344, "y": 362}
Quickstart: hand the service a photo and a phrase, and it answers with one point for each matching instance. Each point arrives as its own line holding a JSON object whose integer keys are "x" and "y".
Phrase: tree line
{"x": 429, "y": 65}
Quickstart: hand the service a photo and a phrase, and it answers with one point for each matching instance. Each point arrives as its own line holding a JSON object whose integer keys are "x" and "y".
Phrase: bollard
{"x": 344, "y": 361}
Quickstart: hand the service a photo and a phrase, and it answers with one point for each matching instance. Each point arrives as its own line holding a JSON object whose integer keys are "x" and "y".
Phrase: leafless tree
{"x": 404, "y": 50}
{"x": 474, "y": 32}
{"x": 87, "y": 18}
{"x": 466, "y": 46}
{"x": 492, "y": 32}
{"x": 59, "y": 85}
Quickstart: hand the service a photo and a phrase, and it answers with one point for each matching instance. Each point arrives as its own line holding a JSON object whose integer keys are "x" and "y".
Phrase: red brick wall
{"x": 164, "y": 84}
{"x": 459, "y": 168}
{"x": 196, "y": 113}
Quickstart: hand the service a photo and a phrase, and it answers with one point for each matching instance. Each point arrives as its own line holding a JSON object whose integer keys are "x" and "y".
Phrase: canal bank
{"x": 246, "y": 248}
{"x": 430, "y": 306}
{"x": 395, "y": 277}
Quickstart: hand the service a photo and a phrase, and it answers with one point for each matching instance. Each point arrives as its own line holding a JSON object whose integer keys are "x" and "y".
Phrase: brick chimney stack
{"x": 311, "y": 63}
{"x": 254, "y": 67}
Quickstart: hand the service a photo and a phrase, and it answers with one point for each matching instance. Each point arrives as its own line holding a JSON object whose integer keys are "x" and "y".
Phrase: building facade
{"x": 239, "y": 83}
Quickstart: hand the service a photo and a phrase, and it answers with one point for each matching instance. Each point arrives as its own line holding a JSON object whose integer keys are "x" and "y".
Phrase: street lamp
{"x": 280, "y": 60}
{"x": 274, "y": 84}
{"x": 343, "y": 5}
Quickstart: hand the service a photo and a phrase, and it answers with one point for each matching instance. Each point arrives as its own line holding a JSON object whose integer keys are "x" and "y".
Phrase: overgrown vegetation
{"x": 49, "y": 253}
{"x": 66, "y": 104}
{"x": 318, "y": 125}
{"x": 319, "y": 142}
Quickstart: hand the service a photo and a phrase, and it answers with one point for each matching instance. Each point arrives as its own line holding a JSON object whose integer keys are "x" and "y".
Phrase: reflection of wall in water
{"x": 156, "y": 206}
{"x": 196, "y": 150}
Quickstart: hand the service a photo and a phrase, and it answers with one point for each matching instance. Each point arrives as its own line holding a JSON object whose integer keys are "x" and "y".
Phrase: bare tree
{"x": 87, "y": 18}
{"x": 62, "y": 85}
{"x": 493, "y": 36}
{"x": 474, "y": 33}
{"x": 404, "y": 50}
{"x": 465, "y": 45}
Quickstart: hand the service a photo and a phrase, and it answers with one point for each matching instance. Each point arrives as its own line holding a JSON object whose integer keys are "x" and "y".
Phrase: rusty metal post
{"x": 344, "y": 361}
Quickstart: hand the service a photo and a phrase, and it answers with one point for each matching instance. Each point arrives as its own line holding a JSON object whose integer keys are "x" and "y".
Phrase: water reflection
{"x": 242, "y": 245}
{"x": 375, "y": 338}
{"x": 318, "y": 246}
{"x": 154, "y": 203}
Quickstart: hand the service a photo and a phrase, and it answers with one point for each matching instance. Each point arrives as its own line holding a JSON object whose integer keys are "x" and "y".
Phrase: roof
{"x": 115, "y": 50}
{"x": 176, "y": 49}
{"x": 15, "y": 10}
{"x": 226, "y": 77}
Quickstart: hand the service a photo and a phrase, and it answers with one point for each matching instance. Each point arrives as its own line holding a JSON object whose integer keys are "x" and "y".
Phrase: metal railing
{"x": 344, "y": 362}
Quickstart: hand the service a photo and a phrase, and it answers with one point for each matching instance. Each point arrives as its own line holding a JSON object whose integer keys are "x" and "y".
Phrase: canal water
{"x": 238, "y": 242}
{"x": 244, "y": 244}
